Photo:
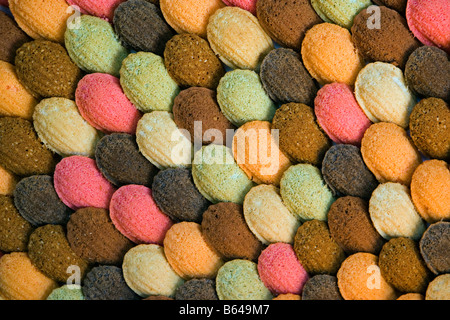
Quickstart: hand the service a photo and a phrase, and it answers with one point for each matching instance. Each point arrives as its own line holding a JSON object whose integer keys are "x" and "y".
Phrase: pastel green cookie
{"x": 305, "y": 193}
{"x": 239, "y": 280}
{"x": 94, "y": 46}
{"x": 242, "y": 98}
{"x": 218, "y": 177}
{"x": 146, "y": 82}
{"x": 67, "y": 292}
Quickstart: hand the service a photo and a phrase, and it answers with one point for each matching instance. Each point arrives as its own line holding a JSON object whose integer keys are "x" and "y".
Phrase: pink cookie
{"x": 429, "y": 21}
{"x": 339, "y": 114}
{"x": 136, "y": 215}
{"x": 104, "y": 105}
{"x": 249, "y": 5}
{"x": 100, "y": 8}
{"x": 280, "y": 270}
{"x": 79, "y": 183}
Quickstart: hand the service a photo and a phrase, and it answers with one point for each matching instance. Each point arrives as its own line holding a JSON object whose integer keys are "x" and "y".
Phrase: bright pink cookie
{"x": 100, "y": 8}
{"x": 339, "y": 114}
{"x": 136, "y": 215}
{"x": 280, "y": 270}
{"x": 429, "y": 21}
{"x": 79, "y": 183}
{"x": 104, "y": 105}
{"x": 249, "y": 5}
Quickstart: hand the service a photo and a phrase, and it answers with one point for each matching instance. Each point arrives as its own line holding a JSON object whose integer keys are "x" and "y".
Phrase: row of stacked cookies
{"x": 129, "y": 160}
